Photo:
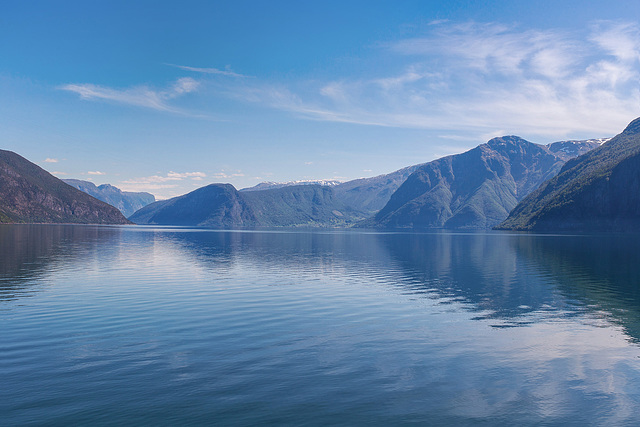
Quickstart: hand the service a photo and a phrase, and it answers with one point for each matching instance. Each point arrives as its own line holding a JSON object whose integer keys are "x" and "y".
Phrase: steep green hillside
{"x": 599, "y": 190}
{"x": 311, "y": 205}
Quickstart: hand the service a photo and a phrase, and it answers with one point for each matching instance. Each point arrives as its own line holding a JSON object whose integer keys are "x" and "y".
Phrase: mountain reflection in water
{"x": 179, "y": 325}
{"x": 502, "y": 276}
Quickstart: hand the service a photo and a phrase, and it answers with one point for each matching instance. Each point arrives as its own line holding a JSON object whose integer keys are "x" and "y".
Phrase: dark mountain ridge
{"x": 599, "y": 190}
{"x": 215, "y": 205}
{"x": 29, "y": 194}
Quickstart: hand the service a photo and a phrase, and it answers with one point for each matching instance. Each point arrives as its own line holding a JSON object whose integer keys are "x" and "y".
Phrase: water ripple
{"x": 171, "y": 326}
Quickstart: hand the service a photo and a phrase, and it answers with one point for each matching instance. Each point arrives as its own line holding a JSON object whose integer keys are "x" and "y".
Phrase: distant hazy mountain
{"x": 599, "y": 190}
{"x": 364, "y": 195}
{"x": 475, "y": 189}
{"x": 371, "y": 194}
{"x": 270, "y": 185}
{"x": 301, "y": 203}
{"x": 569, "y": 149}
{"x": 127, "y": 202}
{"x": 29, "y": 194}
{"x": 221, "y": 205}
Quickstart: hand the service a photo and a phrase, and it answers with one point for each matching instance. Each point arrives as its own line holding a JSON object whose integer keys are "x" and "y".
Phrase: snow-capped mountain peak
{"x": 269, "y": 185}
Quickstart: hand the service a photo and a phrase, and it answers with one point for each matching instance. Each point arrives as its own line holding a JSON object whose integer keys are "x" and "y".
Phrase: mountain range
{"x": 215, "y": 205}
{"x": 566, "y": 185}
{"x": 270, "y": 185}
{"x": 322, "y": 203}
{"x": 475, "y": 189}
{"x": 365, "y": 195}
{"x": 598, "y": 191}
{"x": 127, "y": 202}
{"x": 221, "y": 205}
{"x": 369, "y": 195}
{"x": 29, "y": 194}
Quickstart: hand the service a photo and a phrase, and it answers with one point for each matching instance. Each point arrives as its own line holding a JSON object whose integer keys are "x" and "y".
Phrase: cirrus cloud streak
{"x": 140, "y": 96}
{"x": 483, "y": 77}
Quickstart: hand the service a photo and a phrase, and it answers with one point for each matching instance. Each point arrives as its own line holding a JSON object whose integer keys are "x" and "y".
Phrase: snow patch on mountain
{"x": 574, "y": 148}
{"x": 270, "y": 185}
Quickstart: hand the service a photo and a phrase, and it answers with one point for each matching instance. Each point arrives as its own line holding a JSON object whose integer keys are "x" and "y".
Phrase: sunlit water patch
{"x": 142, "y": 325}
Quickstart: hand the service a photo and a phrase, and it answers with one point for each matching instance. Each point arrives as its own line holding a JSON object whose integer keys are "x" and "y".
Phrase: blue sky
{"x": 166, "y": 97}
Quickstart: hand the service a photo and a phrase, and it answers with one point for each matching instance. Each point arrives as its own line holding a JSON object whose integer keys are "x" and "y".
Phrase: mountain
{"x": 484, "y": 184}
{"x": 475, "y": 189}
{"x": 127, "y": 202}
{"x": 309, "y": 205}
{"x": 364, "y": 195}
{"x": 29, "y": 194}
{"x": 598, "y": 191}
{"x": 270, "y": 185}
{"x": 569, "y": 149}
{"x": 221, "y": 205}
{"x": 216, "y": 205}
{"x": 372, "y": 194}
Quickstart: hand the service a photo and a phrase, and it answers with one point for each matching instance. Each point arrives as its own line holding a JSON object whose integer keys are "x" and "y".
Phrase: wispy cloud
{"x": 226, "y": 72}
{"x": 173, "y": 183}
{"x": 96, "y": 173}
{"x": 160, "y": 184}
{"x": 179, "y": 176}
{"x": 438, "y": 21}
{"x": 483, "y": 78}
{"x": 227, "y": 175}
{"x": 622, "y": 40}
{"x": 140, "y": 96}
{"x": 160, "y": 191}
{"x": 458, "y": 80}
{"x": 171, "y": 176}
{"x": 50, "y": 160}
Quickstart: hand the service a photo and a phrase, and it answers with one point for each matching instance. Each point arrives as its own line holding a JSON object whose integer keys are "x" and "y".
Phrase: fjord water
{"x": 176, "y": 326}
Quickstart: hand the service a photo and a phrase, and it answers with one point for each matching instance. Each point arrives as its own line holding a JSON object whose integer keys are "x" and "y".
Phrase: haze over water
{"x": 131, "y": 325}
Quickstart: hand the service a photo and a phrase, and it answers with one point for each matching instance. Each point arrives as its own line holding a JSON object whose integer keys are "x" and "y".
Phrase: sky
{"x": 167, "y": 97}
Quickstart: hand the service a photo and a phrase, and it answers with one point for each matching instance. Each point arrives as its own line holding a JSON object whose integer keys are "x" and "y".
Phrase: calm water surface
{"x": 166, "y": 326}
